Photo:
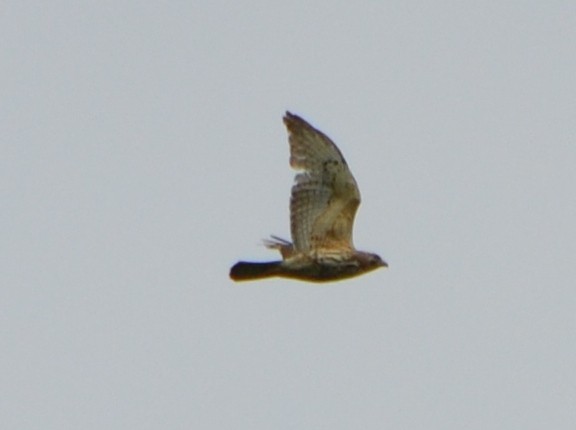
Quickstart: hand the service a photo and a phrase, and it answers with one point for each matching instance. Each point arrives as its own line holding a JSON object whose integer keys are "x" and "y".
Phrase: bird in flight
{"x": 323, "y": 204}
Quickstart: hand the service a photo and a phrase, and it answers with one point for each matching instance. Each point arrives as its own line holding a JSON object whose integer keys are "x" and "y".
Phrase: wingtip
{"x": 289, "y": 116}
{"x": 292, "y": 120}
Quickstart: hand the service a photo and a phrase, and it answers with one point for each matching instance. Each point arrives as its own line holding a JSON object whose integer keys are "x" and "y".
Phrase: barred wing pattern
{"x": 325, "y": 196}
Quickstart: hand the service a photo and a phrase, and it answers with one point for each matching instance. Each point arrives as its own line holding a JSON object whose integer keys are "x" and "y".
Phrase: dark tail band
{"x": 243, "y": 271}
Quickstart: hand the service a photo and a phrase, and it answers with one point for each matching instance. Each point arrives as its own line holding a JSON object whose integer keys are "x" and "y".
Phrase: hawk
{"x": 323, "y": 204}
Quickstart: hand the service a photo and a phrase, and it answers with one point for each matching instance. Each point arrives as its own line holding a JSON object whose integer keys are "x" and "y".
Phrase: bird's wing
{"x": 325, "y": 196}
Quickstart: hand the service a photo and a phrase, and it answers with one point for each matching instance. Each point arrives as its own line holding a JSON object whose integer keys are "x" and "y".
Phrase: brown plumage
{"x": 323, "y": 205}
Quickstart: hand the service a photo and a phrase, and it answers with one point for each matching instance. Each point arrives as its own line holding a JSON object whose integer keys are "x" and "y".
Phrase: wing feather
{"x": 325, "y": 196}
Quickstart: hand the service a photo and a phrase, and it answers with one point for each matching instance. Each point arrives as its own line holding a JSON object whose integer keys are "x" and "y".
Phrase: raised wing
{"x": 325, "y": 196}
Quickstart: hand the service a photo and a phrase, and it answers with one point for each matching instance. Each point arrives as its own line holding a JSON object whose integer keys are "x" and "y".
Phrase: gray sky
{"x": 143, "y": 153}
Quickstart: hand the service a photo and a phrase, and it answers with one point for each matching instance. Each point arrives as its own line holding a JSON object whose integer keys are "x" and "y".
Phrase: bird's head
{"x": 369, "y": 261}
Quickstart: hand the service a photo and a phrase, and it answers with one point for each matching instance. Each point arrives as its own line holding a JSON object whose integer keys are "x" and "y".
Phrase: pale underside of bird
{"x": 323, "y": 204}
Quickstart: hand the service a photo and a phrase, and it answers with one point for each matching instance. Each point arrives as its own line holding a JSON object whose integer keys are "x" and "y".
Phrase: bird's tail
{"x": 243, "y": 271}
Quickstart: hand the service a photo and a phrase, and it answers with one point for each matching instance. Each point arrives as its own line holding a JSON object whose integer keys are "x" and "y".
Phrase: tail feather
{"x": 244, "y": 271}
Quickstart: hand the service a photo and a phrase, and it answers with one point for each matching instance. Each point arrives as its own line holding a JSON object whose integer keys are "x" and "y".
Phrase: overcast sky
{"x": 142, "y": 153}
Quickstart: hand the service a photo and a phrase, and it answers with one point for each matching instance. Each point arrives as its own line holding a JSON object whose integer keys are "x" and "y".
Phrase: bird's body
{"x": 323, "y": 205}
